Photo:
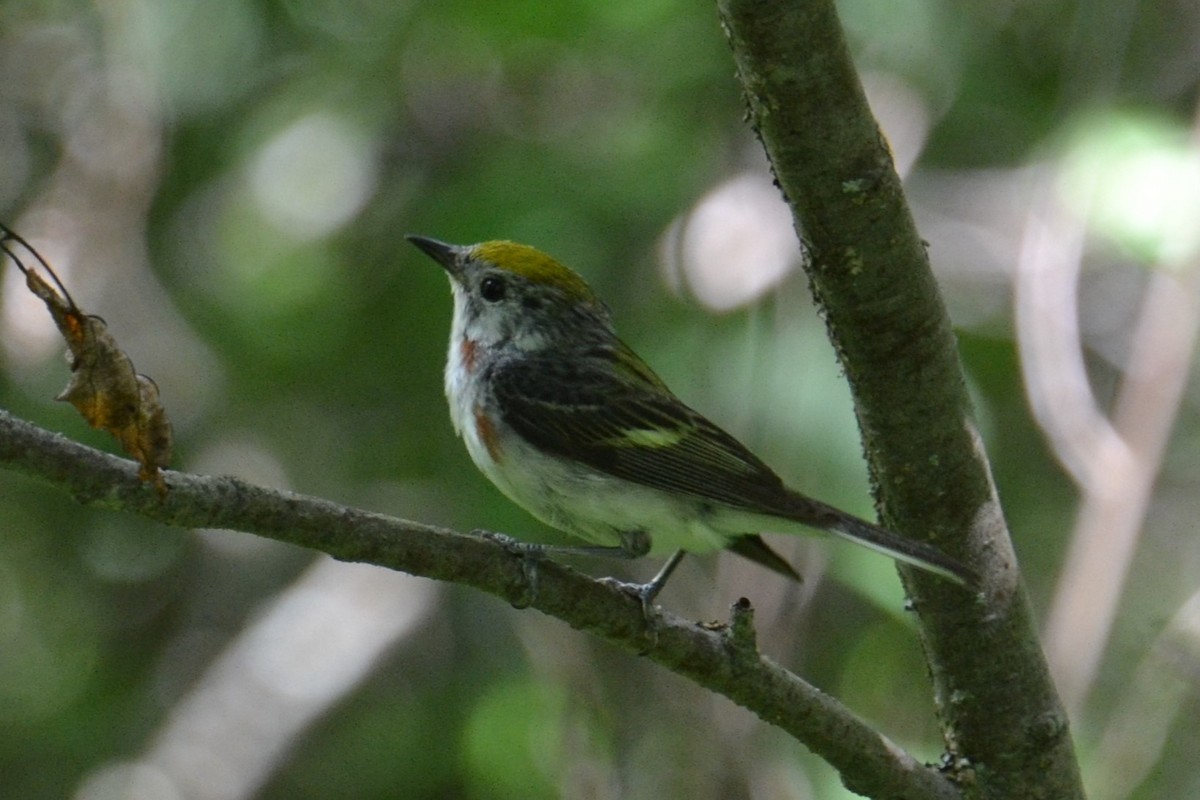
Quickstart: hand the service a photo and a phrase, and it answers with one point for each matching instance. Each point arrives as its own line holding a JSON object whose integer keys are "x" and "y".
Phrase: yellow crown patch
{"x": 535, "y": 266}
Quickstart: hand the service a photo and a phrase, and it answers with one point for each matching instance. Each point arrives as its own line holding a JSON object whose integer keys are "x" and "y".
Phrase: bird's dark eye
{"x": 492, "y": 289}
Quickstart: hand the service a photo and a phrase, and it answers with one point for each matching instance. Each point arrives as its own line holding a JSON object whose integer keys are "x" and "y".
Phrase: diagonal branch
{"x": 723, "y": 659}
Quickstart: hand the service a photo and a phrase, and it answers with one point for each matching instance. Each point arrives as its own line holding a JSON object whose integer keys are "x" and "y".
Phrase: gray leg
{"x": 646, "y": 592}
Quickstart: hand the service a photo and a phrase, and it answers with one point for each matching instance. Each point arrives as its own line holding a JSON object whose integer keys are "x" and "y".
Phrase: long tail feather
{"x": 827, "y": 518}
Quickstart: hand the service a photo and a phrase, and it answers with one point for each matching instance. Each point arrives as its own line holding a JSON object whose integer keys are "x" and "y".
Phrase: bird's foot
{"x": 645, "y": 593}
{"x": 530, "y": 554}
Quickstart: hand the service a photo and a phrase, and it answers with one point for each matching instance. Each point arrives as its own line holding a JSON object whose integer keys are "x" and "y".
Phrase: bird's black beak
{"x": 442, "y": 253}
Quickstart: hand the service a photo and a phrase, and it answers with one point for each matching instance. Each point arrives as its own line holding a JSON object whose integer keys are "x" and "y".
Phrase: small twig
{"x": 742, "y": 634}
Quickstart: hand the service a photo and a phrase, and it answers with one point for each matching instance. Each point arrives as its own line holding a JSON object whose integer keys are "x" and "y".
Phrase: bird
{"x": 573, "y": 426}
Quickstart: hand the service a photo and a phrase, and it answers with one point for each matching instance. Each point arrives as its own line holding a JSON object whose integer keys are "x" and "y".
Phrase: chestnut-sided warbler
{"x": 573, "y": 426}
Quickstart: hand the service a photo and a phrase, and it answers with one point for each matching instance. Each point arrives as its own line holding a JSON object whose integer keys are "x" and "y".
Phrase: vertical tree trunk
{"x": 1001, "y": 717}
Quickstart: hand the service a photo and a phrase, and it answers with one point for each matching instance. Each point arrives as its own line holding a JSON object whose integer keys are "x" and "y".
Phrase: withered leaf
{"x": 104, "y": 387}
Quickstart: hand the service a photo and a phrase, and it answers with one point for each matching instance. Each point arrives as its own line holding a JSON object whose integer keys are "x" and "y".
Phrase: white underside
{"x": 596, "y": 507}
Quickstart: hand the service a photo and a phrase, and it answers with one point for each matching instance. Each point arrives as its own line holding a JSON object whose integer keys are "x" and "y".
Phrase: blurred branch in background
{"x": 1115, "y": 464}
{"x": 1158, "y": 704}
{"x": 1116, "y": 497}
{"x": 1046, "y": 289}
{"x": 311, "y": 645}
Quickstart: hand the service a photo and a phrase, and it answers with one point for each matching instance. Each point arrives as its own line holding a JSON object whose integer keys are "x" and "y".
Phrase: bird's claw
{"x": 644, "y": 593}
{"x": 530, "y": 554}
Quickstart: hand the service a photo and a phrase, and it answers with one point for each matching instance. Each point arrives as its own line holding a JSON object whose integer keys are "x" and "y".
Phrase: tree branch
{"x": 871, "y": 277}
{"x": 723, "y": 659}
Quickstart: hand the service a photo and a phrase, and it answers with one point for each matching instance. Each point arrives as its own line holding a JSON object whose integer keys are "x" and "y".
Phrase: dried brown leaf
{"x": 104, "y": 387}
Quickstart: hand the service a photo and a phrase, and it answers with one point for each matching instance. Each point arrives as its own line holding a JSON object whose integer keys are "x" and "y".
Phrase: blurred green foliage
{"x": 228, "y": 184}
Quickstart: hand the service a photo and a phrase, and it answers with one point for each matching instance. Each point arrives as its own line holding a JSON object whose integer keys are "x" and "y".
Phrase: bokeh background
{"x": 228, "y": 183}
